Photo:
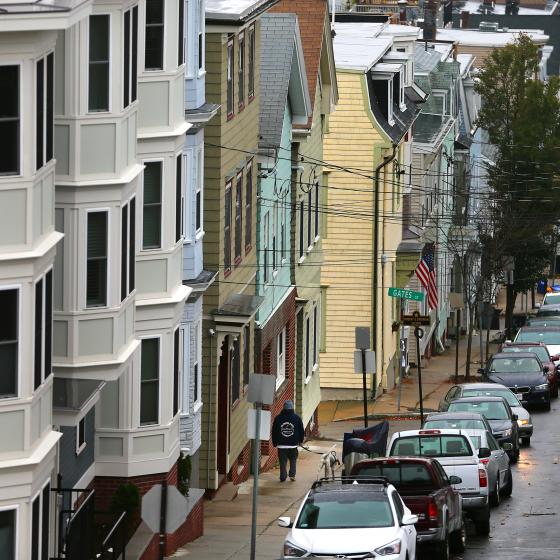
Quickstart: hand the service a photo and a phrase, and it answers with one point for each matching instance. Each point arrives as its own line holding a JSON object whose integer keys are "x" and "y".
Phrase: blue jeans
{"x": 285, "y": 455}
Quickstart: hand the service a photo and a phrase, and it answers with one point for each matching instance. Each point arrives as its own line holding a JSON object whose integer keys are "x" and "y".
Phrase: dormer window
{"x": 388, "y": 87}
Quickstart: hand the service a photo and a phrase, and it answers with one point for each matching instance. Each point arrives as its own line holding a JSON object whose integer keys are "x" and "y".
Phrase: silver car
{"x": 500, "y": 481}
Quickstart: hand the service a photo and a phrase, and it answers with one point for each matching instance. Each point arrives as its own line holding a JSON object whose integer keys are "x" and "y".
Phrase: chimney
{"x": 430, "y": 14}
{"x": 402, "y": 10}
{"x": 465, "y": 20}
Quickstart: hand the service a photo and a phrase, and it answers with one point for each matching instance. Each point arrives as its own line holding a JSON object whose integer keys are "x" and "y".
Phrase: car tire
{"x": 495, "y": 495}
{"x": 458, "y": 539}
{"x": 442, "y": 550}
{"x": 526, "y": 441}
{"x": 547, "y": 406}
{"x": 508, "y": 488}
{"x": 514, "y": 457}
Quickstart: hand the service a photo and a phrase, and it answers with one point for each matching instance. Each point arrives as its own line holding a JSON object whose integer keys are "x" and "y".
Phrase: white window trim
{"x": 141, "y": 197}
{"x": 316, "y": 337}
{"x": 129, "y": 291}
{"x": 266, "y": 257}
{"x": 274, "y": 260}
{"x": 110, "y": 83}
{"x": 45, "y": 138}
{"x": 440, "y": 93}
{"x": 160, "y": 360}
{"x": 17, "y": 287}
{"x": 198, "y": 350}
{"x": 131, "y": 34}
{"x": 199, "y": 188}
{"x": 187, "y": 197}
{"x": 43, "y": 278}
{"x": 283, "y": 240}
{"x": 19, "y": 172}
{"x": 142, "y": 33}
{"x": 186, "y": 373}
{"x": 308, "y": 348}
{"x": 402, "y": 103}
{"x": 201, "y": 30}
{"x": 316, "y": 210}
{"x": 109, "y": 268}
{"x": 80, "y": 447}
{"x": 180, "y": 370}
{"x": 281, "y": 358}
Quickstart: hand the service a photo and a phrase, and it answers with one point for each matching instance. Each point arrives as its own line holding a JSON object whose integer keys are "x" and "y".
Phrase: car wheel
{"x": 508, "y": 488}
{"x": 514, "y": 456}
{"x": 526, "y": 441}
{"x": 458, "y": 539}
{"x": 547, "y": 406}
{"x": 442, "y": 550}
{"x": 495, "y": 495}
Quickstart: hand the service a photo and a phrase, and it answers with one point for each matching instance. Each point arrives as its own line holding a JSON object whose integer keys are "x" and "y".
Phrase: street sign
{"x": 264, "y": 424}
{"x": 358, "y": 361}
{"x": 406, "y": 294}
{"x": 362, "y": 338}
{"x": 175, "y": 513}
{"x": 416, "y": 320}
{"x": 456, "y": 300}
{"x": 261, "y": 388}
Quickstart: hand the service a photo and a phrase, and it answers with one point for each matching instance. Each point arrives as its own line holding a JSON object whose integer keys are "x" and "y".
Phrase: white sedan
{"x": 354, "y": 521}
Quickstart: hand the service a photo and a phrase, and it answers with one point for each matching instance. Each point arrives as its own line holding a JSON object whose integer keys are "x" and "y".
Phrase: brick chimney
{"x": 430, "y": 19}
{"x": 465, "y": 20}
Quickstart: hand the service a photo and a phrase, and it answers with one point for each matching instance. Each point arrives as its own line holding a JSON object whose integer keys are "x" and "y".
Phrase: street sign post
{"x": 405, "y": 294}
{"x": 362, "y": 347}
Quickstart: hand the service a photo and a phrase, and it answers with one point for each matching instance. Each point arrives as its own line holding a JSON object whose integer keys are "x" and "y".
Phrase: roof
{"x": 479, "y": 386}
{"x": 398, "y": 30}
{"x": 508, "y": 355}
{"x": 425, "y": 60}
{"x": 234, "y": 10}
{"x": 473, "y": 6}
{"x": 442, "y": 431}
{"x": 477, "y": 399}
{"x": 282, "y": 75}
{"x": 358, "y": 46}
{"x": 312, "y": 16}
{"x": 339, "y": 486}
{"x": 476, "y": 38}
{"x": 454, "y": 415}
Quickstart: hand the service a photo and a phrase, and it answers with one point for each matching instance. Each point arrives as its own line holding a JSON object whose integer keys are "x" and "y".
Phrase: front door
{"x": 223, "y": 407}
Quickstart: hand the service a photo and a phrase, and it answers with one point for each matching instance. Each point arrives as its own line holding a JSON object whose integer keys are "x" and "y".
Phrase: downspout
{"x": 212, "y": 334}
{"x": 375, "y": 275}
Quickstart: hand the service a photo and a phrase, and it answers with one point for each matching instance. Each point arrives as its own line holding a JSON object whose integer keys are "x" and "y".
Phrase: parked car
{"x": 338, "y": 520}
{"x": 541, "y": 351}
{"x": 524, "y": 374}
{"x": 428, "y": 492}
{"x": 548, "y": 335}
{"x": 550, "y": 298}
{"x": 457, "y": 420}
{"x": 456, "y": 454}
{"x": 500, "y": 416}
{"x": 524, "y": 420}
{"x": 544, "y": 320}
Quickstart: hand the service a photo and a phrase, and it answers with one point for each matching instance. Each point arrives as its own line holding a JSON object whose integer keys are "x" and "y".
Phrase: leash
{"x": 311, "y": 450}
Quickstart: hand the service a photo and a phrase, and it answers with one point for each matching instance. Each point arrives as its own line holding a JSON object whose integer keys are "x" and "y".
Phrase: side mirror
{"x": 409, "y": 519}
{"x": 484, "y": 452}
{"x": 455, "y": 479}
{"x": 285, "y": 522}
{"x": 514, "y": 417}
{"x": 554, "y": 358}
{"x": 507, "y": 446}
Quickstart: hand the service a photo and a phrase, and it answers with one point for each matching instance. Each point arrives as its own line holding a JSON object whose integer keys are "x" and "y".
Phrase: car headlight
{"x": 391, "y": 548}
{"x": 542, "y": 387}
{"x": 522, "y": 422}
{"x": 507, "y": 433}
{"x": 293, "y": 550}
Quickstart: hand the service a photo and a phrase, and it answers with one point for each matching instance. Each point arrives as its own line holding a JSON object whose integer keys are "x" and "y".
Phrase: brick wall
{"x": 241, "y": 467}
{"x": 265, "y": 358}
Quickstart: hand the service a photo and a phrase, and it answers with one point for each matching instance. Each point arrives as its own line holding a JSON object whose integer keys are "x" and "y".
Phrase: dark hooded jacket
{"x": 287, "y": 429}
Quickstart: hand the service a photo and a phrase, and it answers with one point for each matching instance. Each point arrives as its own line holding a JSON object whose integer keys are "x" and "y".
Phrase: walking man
{"x": 287, "y": 434}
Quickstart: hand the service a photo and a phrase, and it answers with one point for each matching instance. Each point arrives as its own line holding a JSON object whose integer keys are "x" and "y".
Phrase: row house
{"x": 308, "y": 200}
{"x": 374, "y": 64}
{"x": 284, "y": 102}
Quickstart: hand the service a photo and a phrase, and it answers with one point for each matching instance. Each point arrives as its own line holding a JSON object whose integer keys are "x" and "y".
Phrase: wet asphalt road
{"x": 527, "y": 525}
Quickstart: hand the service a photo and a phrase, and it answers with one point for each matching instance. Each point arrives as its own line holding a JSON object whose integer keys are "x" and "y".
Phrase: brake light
{"x": 482, "y": 478}
{"x": 484, "y": 461}
{"x": 432, "y": 511}
{"x": 429, "y": 432}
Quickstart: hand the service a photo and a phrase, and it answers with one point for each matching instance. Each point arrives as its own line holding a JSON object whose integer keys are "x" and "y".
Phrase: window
{"x": 151, "y": 212}
{"x": 281, "y": 358}
{"x": 181, "y": 34}
{"x": 238, "y": 217}
{"x": 283, "y": 230}
{"x": 153, "y": 52}
{"x": 309, "y": 220}
{"x": 43, "y": 329}
{"x": 197, "y": 379}
{"x": 265, "y": 247}
{"x": 241, "y": 72}
{"x": 132, "y": 246}
{"x": 81, "y": 435}
{"x": 8, "y": 520}
{"x": 317, "y": 195}
{"x": 251, "y": 62}
{"x": 44, "y": 124}
{"x": 176, "y": 371}
{"x": 99, "y": 62}
{"x": 128, "y": 248}
{"x": 246, "y": 354}
{"x": 199, "y": 183}
{"x": 235, "y": 372}
{"x": 248, "y": 207}
{"x": 301, "y": 222}
{"x": 97, "y": 269}
{"x": 179, "y": 200}
{"x": 307, "y": 347}
{"x": 130, "y": 49}
{"x": 274, "y": 222}
{"x": 382, "y": 86}
{"x": 9, "y": 335}
{"x": 9, "y": 120}
{"x": 149, "y": 381}
{"x": 315, "y": 333}
{"x": 227, "y": 228}
{"x": 201, "y": 34}
{"x": 230, "y": 78}
{"x": 40, "y": 526}
{"x": 124, "y": 252}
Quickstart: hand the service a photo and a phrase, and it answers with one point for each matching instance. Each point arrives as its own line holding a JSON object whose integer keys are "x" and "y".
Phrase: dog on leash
{"x": 329, "y": 462}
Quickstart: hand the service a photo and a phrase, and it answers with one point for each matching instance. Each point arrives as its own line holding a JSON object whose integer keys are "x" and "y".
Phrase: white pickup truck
{"x": 458, "y": 456}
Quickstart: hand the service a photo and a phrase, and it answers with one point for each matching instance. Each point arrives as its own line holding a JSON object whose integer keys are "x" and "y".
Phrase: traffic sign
{"x": 176, "y": 508}
{"x": 369, "y": 361}
{"x": 406, "y": 294}
{"x": 415, "y": 319}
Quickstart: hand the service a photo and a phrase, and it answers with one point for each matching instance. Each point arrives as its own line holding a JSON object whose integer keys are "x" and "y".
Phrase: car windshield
{"x": 545, "y": 322}
{"x": 399, "y": 475}
{"x": 548, "y": 337}
{"x": 463, "y": 423}
{"x": 492, "y": 410}
{"x": 432, "y": 446}
{"x": 345, "y": 510}
{"x": 552, "y": 299}
{"x": 511, "y": 399}
{"x": 514, "y": 365}
{"x": 540, "y": 351}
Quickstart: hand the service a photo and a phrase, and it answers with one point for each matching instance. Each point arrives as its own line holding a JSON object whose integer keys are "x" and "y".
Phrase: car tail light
{"x": 432, "y": 511}
{"x": 429, "y": 432}
{"x": 482, "y": 478}
{"x": 484, "y": 461}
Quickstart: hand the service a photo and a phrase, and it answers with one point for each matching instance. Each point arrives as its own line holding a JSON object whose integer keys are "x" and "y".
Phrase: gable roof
{"x": 282, "y": 76}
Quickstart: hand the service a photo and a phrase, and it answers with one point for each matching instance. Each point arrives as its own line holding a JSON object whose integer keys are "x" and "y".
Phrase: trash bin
{"x": 541, "y": 286}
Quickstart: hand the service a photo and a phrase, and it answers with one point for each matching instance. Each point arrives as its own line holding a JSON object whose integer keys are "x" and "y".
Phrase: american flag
{"x": 426, "y": 273}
